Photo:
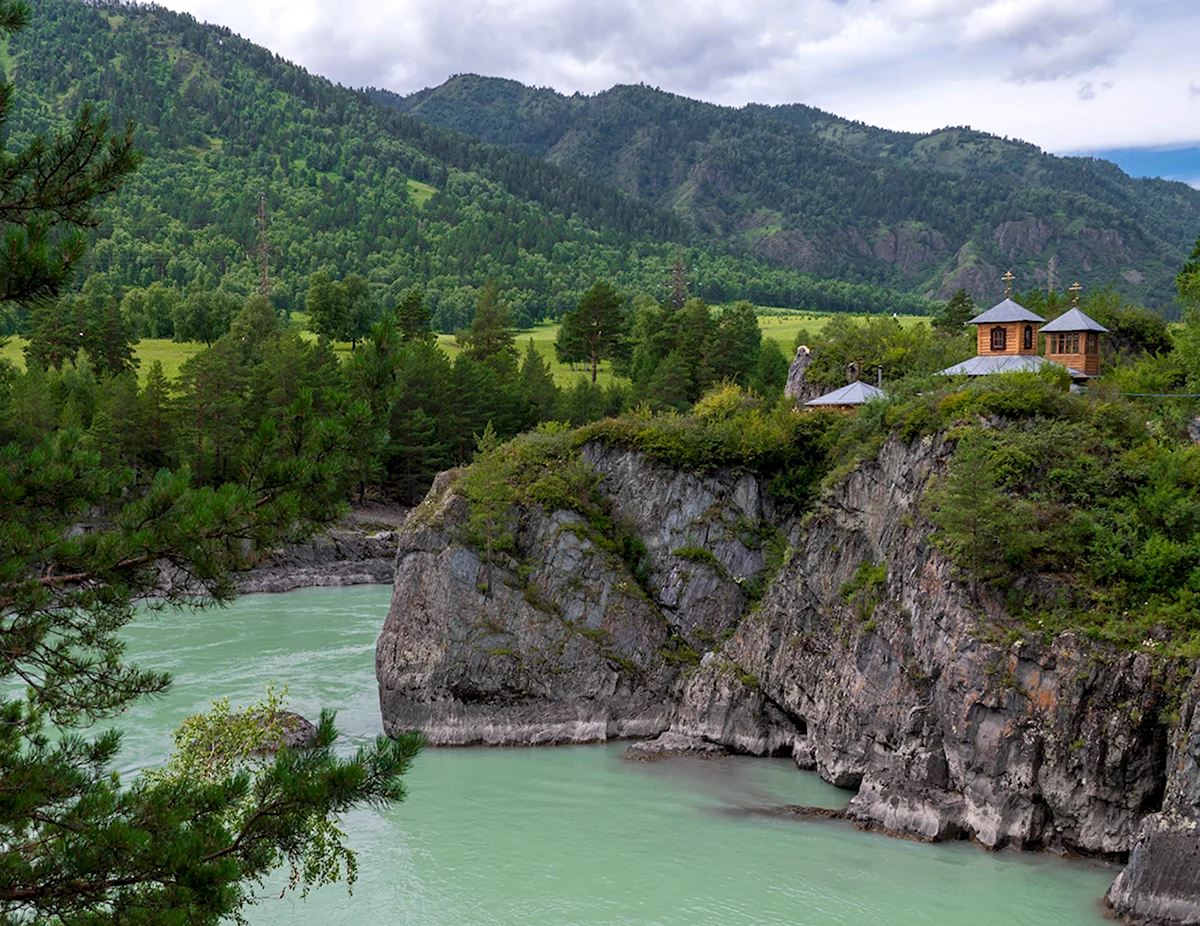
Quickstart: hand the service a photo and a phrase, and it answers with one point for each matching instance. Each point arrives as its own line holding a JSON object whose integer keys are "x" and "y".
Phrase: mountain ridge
{"x": 923, "y": 212}
{"x": 351, "y": 187}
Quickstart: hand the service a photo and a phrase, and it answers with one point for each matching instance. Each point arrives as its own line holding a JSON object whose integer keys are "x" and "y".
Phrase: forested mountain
{"x": 350, "y": 186}
{"x": 927, "y": 213}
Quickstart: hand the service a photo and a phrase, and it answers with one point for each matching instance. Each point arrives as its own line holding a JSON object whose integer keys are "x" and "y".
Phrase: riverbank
{"x": 359, "y": 550}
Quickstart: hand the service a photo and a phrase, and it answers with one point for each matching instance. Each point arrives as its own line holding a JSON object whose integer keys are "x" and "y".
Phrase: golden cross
{"x": 1075, "y": 289}
{"x": 1008, "y": 281}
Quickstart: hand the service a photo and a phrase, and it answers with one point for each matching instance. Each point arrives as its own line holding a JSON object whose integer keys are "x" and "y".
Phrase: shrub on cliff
{"x": 729, "y": 427}
{"x": 1085, "y": 512}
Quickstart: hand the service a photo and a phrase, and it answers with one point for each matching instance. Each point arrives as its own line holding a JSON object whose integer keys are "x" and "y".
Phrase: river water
{"x": 574, "y": 835}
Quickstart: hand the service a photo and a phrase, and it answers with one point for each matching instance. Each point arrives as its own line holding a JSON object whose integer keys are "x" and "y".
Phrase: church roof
{"x": 1073, "y": 320}
{"x": 1002, "y": 363}
{"x": 1006, "y": 311}
{"x": 854, "y": 394}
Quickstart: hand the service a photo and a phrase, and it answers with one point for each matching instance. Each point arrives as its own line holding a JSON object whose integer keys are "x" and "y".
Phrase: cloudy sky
{"x": 1068, "y": 75}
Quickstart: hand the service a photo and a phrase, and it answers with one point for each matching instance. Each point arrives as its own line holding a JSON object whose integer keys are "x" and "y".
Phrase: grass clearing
{"x": 419, "y": 193}
{"x": 779, "y": 325}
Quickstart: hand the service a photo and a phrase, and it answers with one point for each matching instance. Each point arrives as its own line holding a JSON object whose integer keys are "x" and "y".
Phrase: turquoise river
{"x": 576, "y": 835}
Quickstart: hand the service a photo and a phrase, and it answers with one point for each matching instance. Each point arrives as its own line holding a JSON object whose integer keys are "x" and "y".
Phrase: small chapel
{"x": 1006, "y": 341}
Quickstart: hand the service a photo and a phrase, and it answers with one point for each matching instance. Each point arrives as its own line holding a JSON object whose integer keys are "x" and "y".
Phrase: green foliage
{"x": 731, "y": 429}
{"x": 486, "y": 486}
{"x": 958, "y": 311}
{"x": 1187, "y": 281}
{"x": 351, "y": 186}
{"x": 490, "y": 339}
{"x": 595, "y": 329}
{"x": 694, "y": 554}
{"x": 873, "y": 342}
{"x": 865, "y": 589}
{"x": 181, "y": 847}
{"x": 205, "y": 315}
{"x": 975, "y": 520}
{"x": 226, "y": 744}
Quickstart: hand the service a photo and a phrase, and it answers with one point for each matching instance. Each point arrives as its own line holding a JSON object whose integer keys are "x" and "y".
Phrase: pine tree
{"x": 595, "y": 331}
{"x": 975, "y": 519}
{"x": 55, "y": 337}
{"x": 76, "y": 844}
{"x": 959, "y": 310}
{"x": 108, "y": 341}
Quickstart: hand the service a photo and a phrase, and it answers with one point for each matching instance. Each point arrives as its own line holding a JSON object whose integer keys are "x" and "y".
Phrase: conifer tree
{"x": 413, "y": 316}
{"x": 595, "y": 331}
{"x": 55, "y": 335}
{"x": 108, "y": 340}
{"x": 490, "y": 339}
{"x": 537, "y": 389}
{"x": 959, "y": 310}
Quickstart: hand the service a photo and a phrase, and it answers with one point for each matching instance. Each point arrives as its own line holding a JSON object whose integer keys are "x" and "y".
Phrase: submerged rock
{"x": 673, "y": 744}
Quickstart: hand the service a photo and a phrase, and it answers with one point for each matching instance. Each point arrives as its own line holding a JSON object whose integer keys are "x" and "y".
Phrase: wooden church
{"x": 1006, "y": 341}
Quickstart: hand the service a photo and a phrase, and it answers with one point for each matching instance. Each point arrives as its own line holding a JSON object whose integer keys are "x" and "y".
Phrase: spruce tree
{"x": 413, "y": 316}
{"x": 490, "y": 339}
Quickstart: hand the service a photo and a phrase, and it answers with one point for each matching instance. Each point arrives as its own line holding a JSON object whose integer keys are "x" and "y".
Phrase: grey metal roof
{"x": 854, "y": 394}
{"x": 1074, "y": 321}
{"x": 1003, "y": 363}
{"x": 1006, "y": 311}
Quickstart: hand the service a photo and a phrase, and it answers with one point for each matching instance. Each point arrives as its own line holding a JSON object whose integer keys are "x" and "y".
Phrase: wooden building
{"x": 847, "y": 398}
{"x": 1006, "y": 329}
{"x": 1073, "y": 340}
{"x": 1006, "y": 341}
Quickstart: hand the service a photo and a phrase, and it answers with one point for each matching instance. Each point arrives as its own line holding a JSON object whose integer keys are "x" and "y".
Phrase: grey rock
{"x": 798, "y": 386}
{"x": 568, "y": 647}
{"x": 1161, "y": 883}
{"x": 674, "y": 744}
{"x": 335, "y": 557}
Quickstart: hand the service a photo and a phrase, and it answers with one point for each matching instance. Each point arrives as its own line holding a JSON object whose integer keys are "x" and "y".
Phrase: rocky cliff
{"x": 580, "y": 638}
{"x": 848, "y": 643}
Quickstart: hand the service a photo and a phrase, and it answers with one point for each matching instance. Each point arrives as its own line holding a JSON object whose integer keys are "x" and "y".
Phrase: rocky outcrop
{"x": 579, "y": 638}
{"x": 798, "y": 386}
{"x": 916, "y": 693}
{"x": 867, "y": 659}
{"x": 334, "y": 557}
{"x": 1161, "y": 883}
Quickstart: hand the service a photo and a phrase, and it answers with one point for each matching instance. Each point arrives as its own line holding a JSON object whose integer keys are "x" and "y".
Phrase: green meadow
{"x": 778, "y": 325}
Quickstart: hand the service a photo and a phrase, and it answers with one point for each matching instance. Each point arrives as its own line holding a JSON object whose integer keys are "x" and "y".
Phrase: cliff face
{"x": 573, "y": 643}
{"x": 1161, "y": 883}
{"x": 945, "y": 725}
{"x": 866, "y": 659}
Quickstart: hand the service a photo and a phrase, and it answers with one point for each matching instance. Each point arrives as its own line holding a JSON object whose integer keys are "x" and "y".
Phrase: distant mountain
{"x": 351, "y": 186}
{"x": 927, "y": 213}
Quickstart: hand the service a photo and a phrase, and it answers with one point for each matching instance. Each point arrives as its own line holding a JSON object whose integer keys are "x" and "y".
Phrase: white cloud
{"x": 1013, "y": 67}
